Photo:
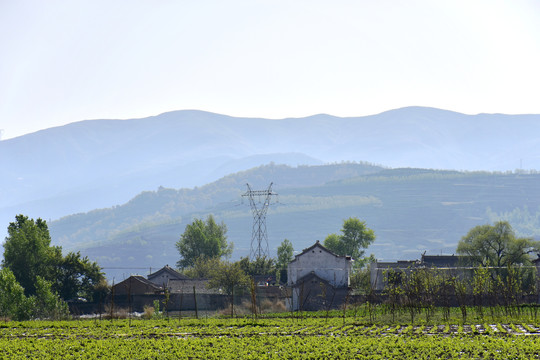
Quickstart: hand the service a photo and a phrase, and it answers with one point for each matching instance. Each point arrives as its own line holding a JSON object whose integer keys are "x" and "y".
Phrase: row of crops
{"x": 265, "y": 338}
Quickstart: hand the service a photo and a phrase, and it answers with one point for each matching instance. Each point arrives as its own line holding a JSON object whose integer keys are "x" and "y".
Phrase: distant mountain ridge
{"x": 100, "y": 163}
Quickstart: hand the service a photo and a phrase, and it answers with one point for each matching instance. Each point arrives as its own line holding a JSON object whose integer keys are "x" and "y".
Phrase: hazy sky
{"x": 65, "y": 61}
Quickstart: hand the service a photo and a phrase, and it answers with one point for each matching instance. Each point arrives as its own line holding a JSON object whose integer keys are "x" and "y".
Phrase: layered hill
{"x": 100, "y": 163}
{"x": 410, "y": 210}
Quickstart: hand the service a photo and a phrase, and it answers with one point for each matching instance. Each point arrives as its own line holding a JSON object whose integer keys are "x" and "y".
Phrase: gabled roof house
{"x": 164, "y": 275}
{"x": 136, "y": 285}
{"x": 318, "y": 278}
{"x": 335, "y": 269}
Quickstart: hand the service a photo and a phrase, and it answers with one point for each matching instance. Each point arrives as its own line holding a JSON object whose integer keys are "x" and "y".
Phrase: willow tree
{"x": 496, "y": 245}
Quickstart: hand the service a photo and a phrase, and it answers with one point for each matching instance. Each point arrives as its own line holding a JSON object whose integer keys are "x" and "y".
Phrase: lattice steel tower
{"x": 259, "y": 238}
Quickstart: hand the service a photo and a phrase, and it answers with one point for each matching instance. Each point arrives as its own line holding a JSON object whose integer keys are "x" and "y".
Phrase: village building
{"x": 191, "y": 294}
{"x": 318, "y": 278}
{"x": 536, "y": 263}
{"x": 380, "y": 269}
{"x": 443, "y": 261}
{"x": 134, "y": 293}
{"x": 190, "y": 286}
{"x": 136, "y": 285}
{"x": 164, "y": 275}
{"x": 451, "y": 264}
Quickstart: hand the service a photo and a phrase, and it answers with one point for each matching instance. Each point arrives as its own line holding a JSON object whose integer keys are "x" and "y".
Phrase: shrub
{"x": 148, "y": 312}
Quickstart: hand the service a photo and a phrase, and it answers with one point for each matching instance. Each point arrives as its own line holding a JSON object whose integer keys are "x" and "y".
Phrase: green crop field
{"x": 276, "y": 338}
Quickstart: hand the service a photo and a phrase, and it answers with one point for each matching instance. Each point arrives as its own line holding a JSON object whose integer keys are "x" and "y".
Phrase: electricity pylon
{"x": 259, "y": 238}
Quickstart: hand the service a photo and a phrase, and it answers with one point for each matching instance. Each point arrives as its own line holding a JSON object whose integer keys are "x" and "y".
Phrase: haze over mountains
{"x": 101, "y": 163}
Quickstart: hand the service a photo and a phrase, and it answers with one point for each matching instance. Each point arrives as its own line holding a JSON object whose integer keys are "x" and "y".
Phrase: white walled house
{"x": 317, "y": 259}
{"x": 318, "y": 278}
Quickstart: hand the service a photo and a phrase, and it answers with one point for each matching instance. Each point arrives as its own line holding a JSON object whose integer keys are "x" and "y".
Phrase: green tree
{"x": 284, "y": 254}
{"x": 202, "y": 239}
{"x": 393, "y": 280}
{"x": 361, "y": 277}
{"x": 496, "y": 245}
{"x": 228, "y": 276}
{"x": 46, "y": 303}
{"x": 260, "y": 266}
{"x": 13, "y": 303}
{"x": 333, "y": 243}
{"x": 482, "y": 285}
{"x": 354, "y": 239}
{"x": 202, "y": 268}
{"x": 28, "y": 254}
{"x": 77, "y": 276}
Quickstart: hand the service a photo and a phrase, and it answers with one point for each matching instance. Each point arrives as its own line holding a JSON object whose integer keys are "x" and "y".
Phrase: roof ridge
{"x": 318, "y": 243}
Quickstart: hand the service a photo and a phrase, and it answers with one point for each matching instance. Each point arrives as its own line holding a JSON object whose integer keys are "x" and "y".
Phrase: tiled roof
{"x": 319, "y": 245}
{"x": 140, "y": 279}
{"x": 169, "y": 270}
{"x": 186, "y": 286}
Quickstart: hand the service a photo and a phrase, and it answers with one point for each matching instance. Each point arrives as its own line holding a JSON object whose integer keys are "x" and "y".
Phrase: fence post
{"x": 195, "y": 301}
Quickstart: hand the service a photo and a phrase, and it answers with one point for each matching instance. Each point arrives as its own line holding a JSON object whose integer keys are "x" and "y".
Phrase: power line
{"x": 259, "y": 237}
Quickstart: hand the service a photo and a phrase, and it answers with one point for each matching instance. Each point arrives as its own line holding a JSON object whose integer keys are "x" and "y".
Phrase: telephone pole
{"x": 259, "y": 238}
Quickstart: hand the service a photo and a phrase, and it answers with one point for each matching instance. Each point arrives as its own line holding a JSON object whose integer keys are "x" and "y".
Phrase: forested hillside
{"x": 170, "y": 206}
{"x": 411, "y": 211}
